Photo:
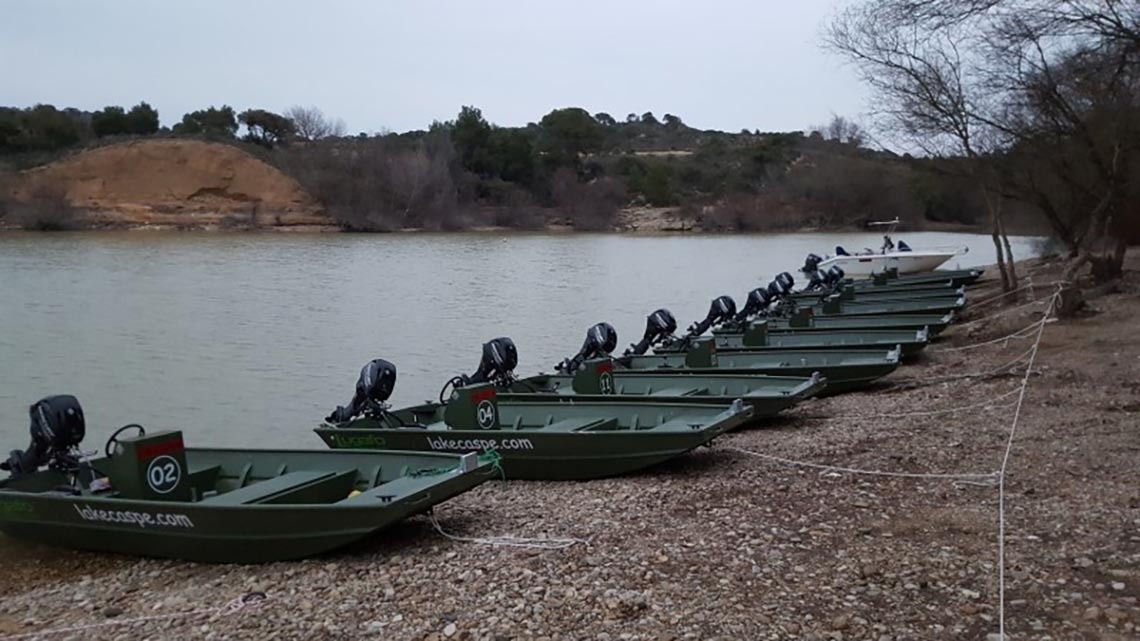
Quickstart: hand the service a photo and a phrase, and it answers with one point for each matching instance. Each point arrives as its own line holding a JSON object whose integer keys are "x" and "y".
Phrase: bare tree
{"x": 312, "y": 124}
{"x": 1038, "y": 98}
{"x": 843, "y": 131}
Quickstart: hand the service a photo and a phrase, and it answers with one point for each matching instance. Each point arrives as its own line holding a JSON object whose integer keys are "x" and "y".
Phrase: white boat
{"x": 890, "y": 256}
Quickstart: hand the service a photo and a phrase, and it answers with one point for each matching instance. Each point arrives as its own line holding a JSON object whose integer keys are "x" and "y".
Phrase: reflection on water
{"x": 249, "y": 340}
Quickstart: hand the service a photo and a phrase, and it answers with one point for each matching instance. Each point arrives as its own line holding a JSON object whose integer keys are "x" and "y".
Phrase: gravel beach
{"x": 722, "y": 544}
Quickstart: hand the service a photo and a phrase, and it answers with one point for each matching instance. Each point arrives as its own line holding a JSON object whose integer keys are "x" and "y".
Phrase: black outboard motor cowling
{"x": 811, "y": 263}
{"x": 57, "y": 429}
{"x": 659, "y": 326}
{"x": 500, "y": 357}
{"x": 834, "y": 276}
{"x": 786, "y": 282}
{"x": 373, "y": 387}
{"x": 601, "y": 340}
{"x": 756, "y": 305}
{"x": 722, "y": 309}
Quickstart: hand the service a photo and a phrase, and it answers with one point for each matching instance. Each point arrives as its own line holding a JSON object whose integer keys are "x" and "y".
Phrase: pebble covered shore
{"x": 721, "y": 544}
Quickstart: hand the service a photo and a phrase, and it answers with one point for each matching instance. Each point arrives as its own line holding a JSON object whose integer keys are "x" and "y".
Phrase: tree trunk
{"x": 1008, "y": 281}
{"x": 1010, "y": 265}
{"x": 995, "y": 234}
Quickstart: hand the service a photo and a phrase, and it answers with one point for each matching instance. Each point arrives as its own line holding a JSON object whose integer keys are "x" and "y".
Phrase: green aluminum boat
{"x": 935, "y": 324}
{"x": 757, "y": 338}
{"x": 556, "y": 438}
{"x": 855, "y": 308}
{"x": 845, "y": 370}
{"x": 951, "y": 277}
{"x": 848, "y": 293}
{"x": 148, "y": 495}
{"x": 600, "y": 381}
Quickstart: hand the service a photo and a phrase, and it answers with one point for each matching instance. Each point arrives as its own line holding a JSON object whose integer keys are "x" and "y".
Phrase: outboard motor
{"x": 817, "y": 280}
{"x": 811, "y": 263}
{"x": 601, "y": 340}
{"x": 722, "y": 309}
{"x": 375, "y": 385}
{"x": 786, "y": 282}
{"x": 659, "y": 326}
{"x": 57, "y": 428}
{"x": 779, "y": 289}
{"x": 834, "y": 276}
{"x": 756, "y": 305}
{"x": 500, "y": 357}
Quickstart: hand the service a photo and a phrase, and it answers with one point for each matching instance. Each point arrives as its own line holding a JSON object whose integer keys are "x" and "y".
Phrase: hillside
{"x": 165, "y": 183}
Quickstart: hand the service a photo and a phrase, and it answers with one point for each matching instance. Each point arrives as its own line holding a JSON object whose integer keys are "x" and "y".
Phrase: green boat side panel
{"x": 595, "y": 377}
{"x": 473, "y": 407}
{"x": 702, "y": 353}
{"x": 756, "y": 334}
{"x": 802, "y": 317}
{"x": 151, "y": 467}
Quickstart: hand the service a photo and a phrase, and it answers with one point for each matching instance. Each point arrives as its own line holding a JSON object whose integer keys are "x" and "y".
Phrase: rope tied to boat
{"x": 996, "y": 477}
{"x": 533, "y": 543}
{"x": 249, "y": 600}
{"x": 1023, "y": 333}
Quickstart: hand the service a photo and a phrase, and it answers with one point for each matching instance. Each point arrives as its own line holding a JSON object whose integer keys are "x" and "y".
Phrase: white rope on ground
{"x": 1005, "y": 465}
{"x": 1003, "y": 312}
{"x": 984, "y": 301}
{"x": 1024, "y": 332}
{"x": 249, "y": 600}
{"x": 998, "y": 476}
{"x": 958, "y": 377}
{"x": 852, "y": 470}
{"x": 510, "y": 541}
{"x": 964, "y": 408}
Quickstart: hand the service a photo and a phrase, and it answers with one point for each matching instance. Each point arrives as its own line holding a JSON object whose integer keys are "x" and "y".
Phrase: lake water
{"x": 249, "y": 340}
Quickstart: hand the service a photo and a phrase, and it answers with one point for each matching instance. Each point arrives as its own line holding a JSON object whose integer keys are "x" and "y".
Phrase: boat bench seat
{"x": 680, "y": 391}
{"x": 581, "y": 425}
{"x": 394, "y": 489}
{"x": 203, "y": 479}
{"x": 307, "y": 486}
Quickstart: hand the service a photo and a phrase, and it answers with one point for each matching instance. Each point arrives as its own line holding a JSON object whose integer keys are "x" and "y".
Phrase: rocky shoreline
{"x": 721, "y": 544}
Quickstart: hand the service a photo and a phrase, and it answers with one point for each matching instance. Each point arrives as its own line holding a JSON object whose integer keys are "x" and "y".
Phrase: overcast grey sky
{"x": 399, "y": 65}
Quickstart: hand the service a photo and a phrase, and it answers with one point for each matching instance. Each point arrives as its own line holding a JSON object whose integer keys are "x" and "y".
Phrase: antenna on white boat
{"x": 888, "y": 244}
{"x": 884, "y": 222}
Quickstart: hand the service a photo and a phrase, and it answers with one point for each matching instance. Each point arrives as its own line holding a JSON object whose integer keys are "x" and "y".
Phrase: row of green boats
{"x": 598, "y": 414}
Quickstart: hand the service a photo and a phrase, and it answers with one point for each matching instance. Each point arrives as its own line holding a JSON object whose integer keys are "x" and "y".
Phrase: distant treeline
{"x": 570, "y": 167}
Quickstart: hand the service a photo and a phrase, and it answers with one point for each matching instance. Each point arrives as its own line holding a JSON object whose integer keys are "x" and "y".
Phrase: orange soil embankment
{"x": 175, "y": 183}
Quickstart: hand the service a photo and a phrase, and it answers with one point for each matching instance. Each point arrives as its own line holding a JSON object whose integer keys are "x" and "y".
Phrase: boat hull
{"x": 766, "y": 395}
{"x": 862, "y": 266}
{"x": 550, "y": 454}
{"x": 199, "y": 531}
{"x": 844, "y": 370}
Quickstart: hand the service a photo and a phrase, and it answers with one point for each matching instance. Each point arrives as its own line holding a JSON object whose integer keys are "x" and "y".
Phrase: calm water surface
{"x": 249, "y": 340}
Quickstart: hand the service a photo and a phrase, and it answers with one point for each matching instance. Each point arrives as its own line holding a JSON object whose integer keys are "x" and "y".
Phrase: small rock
{"x": 1118, "y": 586}
{"x": 1092, "y": 614}
{"x": 449, "y": 630}
{"x": 112, "y": 612}
{"x": 1083, "y": 562}
{"x": 840, "y": 622}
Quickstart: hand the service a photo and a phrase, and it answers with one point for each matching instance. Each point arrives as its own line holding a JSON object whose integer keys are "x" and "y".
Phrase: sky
{"x": 397, "y": 66}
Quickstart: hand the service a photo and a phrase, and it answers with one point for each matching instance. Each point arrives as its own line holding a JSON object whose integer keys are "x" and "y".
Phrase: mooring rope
{"x": 998, "y": 477}
{"x": 1023, "y": 333}
{"x": 1033, "y": 303}
{"x": 988, "y": 404}
{"x": 852, "y": 470}
{"x": 231, "y": 607}
{"x": 535, "y": 543}
{"x": 1005, "y": 461}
